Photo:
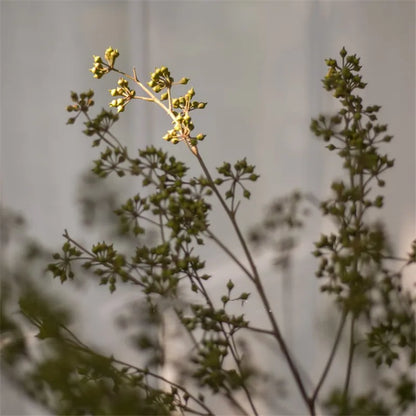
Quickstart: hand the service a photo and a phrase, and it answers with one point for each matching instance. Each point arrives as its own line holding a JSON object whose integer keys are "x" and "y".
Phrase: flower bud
{"x": 111, "y": 55}
{"x": 331, "y": 62}
{"x": 331, "y": 71}
{"x": 378, "y": 202}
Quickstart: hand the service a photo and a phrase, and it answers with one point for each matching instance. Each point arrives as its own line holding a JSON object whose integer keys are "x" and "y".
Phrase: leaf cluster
{"x": 354, "y": 258}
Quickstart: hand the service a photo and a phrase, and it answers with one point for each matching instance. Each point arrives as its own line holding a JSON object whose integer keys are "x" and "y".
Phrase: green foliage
{"x": 16, "y": 348}
{"x": 166, "y": 222}
{"x": 365, "y": 404}
{"x": 352, "y": 259}
{"x": 235, "y": 175}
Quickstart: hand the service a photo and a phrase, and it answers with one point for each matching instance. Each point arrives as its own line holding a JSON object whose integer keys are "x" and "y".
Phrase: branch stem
{"x": 260, "y": 289}
{"x": 350, "y": 358}
{"x": 78, "y": 344}
{"x": 229, "y": 253}
{"x": 331, "y": 356}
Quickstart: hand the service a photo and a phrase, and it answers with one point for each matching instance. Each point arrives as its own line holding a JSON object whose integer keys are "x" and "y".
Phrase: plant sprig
{"x": 352, "y": 257}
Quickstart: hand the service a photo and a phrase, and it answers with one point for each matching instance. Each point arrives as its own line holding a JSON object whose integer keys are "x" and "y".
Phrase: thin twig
{"x": 130, "y": 277}
{"x": 229, "y": 253}
{"x": 78, "y": 344}
{"x": 235, "y": 403}
{"x": 260, "y": 330}
{"x": 259, "y": 286}
{"x": 350, "y": 358}
{"x": 331, "y": 356}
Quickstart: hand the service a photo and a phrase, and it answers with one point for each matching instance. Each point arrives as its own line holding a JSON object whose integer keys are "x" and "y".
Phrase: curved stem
{"x": 229, "y": 253}
{"x": 235, "y": 403}
{"x": 234, "y": 352}
{"x": 130, "y": 277}
{"x": 229, "y": 338}
{"x": 78, "y": 344}
{"x": 350, "y": 358}
{"x": 260, "y": 330}
{"x": 147, "y": 91}
{"x": 331, "y": 356}
{"x": 259, "y": 287}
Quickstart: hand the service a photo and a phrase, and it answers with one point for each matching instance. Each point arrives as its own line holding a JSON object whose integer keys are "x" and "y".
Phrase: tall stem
{"x": 331, "y": 356}
{"x": 260, "y": 289}
{"x": 350, "y": 358}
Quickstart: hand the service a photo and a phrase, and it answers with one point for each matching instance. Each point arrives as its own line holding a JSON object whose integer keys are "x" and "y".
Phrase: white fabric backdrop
{"x": 258, "y": 64}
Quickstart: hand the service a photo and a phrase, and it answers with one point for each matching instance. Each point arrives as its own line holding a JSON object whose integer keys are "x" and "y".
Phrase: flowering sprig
{"x": 352, "y": 258}
{"x": 82, "y": 103}
{"x": 161, "y": 81}
{"x": 125, "y": 92}
{"x": 100, "y": 68}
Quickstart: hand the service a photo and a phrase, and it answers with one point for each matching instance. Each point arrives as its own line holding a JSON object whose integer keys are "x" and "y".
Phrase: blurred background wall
{"x": 259, "y": 66}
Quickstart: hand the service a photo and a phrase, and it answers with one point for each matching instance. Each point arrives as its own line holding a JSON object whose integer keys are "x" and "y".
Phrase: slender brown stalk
{"x": 259, "y": 287}
{"x": 350, "y": 358}
{"x": 78, "y": 344}
{"x": 92, "y": 256}
{"x": 229, "y": 253}
{"x": 331, "y": 357}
